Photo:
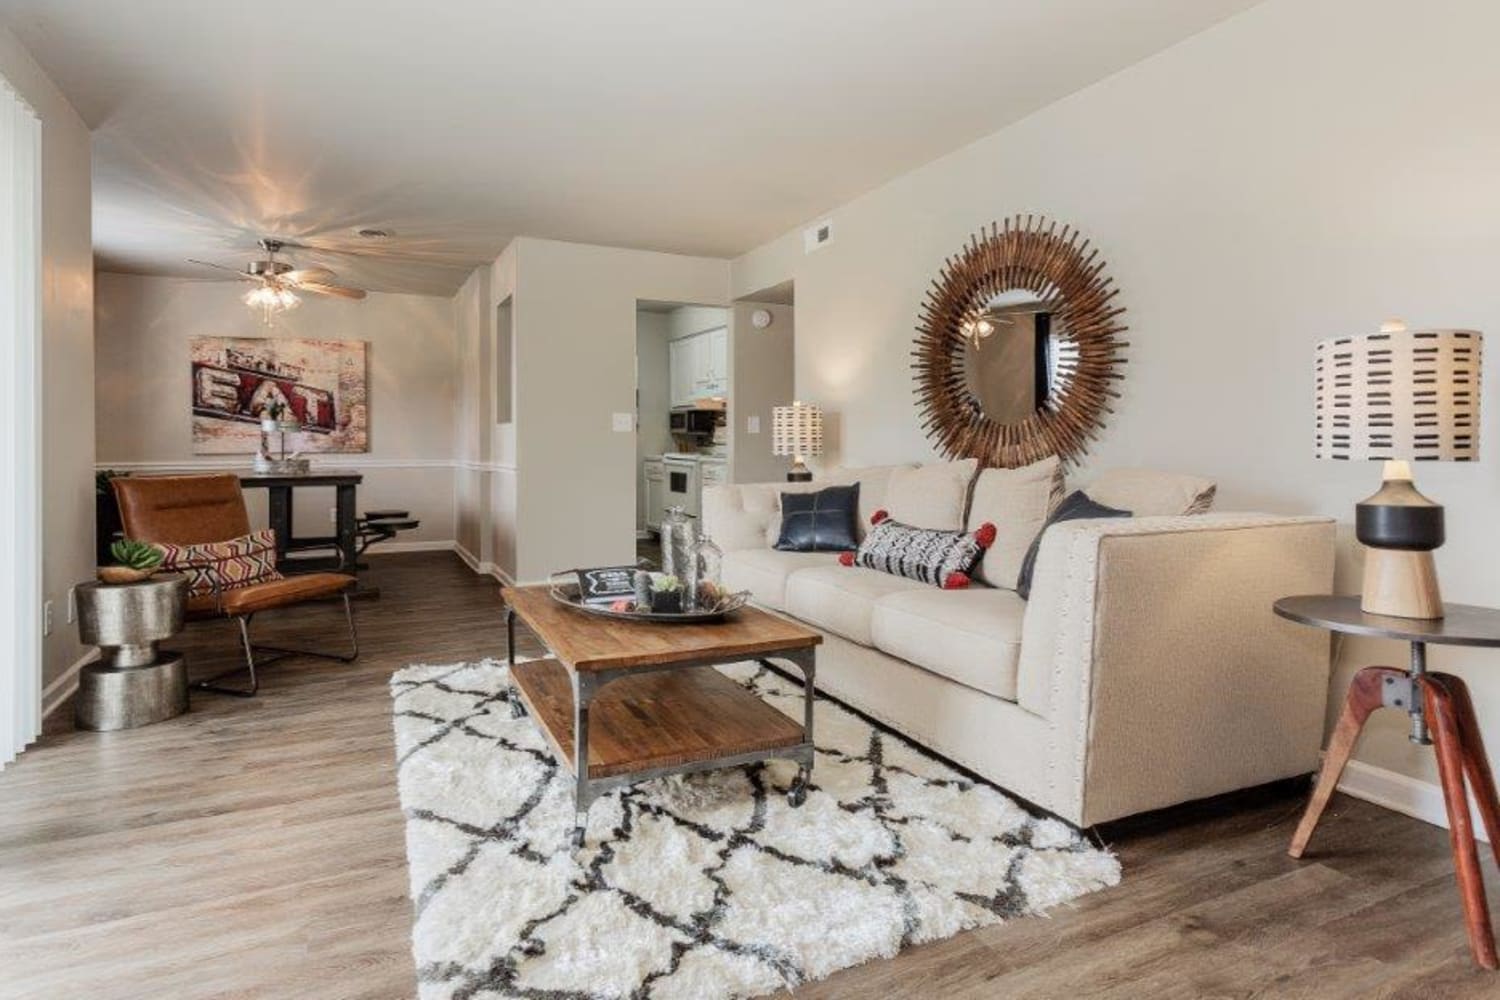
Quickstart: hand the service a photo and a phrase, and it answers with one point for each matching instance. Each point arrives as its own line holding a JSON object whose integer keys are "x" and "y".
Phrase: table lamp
{"x": 1399, "y": 396}
{"x": 797, "y": 430}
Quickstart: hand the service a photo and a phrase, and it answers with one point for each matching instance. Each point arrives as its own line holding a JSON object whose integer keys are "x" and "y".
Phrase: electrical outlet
{"x": 752, "y": 425}
{"x": 72, "y": 605}
{"x": 333, "y": 515}
{"x": 623, "y": 423}
{"x": 46, "y": 618}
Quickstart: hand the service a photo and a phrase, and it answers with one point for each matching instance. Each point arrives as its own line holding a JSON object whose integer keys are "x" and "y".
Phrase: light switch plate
{"x": 752, "y": 425}
{"x": 624, "y": 423}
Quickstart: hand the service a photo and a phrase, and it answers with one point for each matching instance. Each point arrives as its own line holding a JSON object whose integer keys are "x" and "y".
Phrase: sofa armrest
{"x": 1150, "y": 646}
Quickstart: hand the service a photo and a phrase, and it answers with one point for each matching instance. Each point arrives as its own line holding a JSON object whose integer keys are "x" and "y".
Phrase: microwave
{"x": 694, "y": 422}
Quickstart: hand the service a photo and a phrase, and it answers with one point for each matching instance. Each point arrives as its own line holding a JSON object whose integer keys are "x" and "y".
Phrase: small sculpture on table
{"x": 276, "y": 418}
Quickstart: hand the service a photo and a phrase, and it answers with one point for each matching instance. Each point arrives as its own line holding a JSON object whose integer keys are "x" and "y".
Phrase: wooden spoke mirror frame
{"x": 1021, "y": 255}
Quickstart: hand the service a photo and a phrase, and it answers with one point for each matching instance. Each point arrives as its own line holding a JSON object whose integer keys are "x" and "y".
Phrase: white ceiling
{"x": 693, "y": 126}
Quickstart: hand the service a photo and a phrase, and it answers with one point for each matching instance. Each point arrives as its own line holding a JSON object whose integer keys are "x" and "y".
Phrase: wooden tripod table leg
{"x": 1476, "y": 761}
{"x": 1365, "y": 695}
{"x": 1447, "y": 736}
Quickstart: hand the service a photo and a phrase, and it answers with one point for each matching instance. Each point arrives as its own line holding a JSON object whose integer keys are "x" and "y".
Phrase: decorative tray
{"x": 565, "y": 589}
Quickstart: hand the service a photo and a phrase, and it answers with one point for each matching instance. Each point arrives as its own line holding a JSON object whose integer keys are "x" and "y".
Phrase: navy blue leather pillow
{"x": 819, "y": 522}
{"x": 1076, "y": 506}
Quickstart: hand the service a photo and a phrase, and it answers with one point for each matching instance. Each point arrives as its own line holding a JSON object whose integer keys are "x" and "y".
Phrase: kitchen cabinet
{"x": 698, "y": 366}
{"x": 656, "y": 492}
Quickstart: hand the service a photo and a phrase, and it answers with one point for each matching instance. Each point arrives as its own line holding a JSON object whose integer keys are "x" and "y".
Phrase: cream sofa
{"x": 1146, "y": 668}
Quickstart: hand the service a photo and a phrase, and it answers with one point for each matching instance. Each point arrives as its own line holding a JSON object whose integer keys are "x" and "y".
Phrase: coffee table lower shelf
{"x": 651, "y": 724}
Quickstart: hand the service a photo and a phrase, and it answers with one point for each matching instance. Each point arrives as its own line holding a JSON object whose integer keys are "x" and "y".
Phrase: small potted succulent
{"x": 134, "y": 561}
{"x": 666, "y": 594}
{"x": 276, "y": 417}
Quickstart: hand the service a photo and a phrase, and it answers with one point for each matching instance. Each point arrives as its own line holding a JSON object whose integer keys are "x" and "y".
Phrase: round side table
{"x": 132, "y": 684}
{"x": 1442, "y": 715}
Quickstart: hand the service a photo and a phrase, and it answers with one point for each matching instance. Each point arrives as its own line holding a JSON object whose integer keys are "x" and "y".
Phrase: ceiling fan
{"x": 277, "y": 281}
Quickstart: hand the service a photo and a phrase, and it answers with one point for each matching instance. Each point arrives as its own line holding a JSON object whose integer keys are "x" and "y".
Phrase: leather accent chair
{"x": 195, "y": 510}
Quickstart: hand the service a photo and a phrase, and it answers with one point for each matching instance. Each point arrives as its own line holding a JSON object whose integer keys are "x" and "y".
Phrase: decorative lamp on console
{"x": 797, "y": 430}
{"x": 1399, "y": 396}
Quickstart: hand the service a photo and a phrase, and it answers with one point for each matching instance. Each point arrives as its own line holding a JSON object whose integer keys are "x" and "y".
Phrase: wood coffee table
{"x": 623, "y": 701}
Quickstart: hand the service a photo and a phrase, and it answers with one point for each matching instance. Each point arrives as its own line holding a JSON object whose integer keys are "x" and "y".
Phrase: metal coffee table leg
{"x": 584, "y": 688}
{"x": 806, "y": 661}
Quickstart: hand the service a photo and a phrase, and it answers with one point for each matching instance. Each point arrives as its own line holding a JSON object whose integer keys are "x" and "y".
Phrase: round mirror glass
{"x": 1014, "y": 355}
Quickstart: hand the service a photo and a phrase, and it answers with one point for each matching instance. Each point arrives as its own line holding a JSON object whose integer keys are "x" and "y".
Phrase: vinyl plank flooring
{"x": 255, "y": 848}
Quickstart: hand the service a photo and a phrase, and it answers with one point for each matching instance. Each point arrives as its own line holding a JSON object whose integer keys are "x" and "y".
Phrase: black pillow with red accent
{"x": 943, "y": 558}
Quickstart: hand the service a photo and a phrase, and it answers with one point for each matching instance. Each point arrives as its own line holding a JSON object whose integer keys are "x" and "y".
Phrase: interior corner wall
{"x": 575, "y": 340}
{"x": 653, "y": 435}
{"x": 144, "y": 393}
{"x": 1267, "y": 183}
{"x": 761, "y": 372}
{"x": 502, "y": 462}
{"x": 67, "y": 350}
{"x": 472, "y": 431}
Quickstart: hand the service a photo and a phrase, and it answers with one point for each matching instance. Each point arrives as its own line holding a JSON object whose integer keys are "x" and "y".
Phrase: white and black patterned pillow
{"x": 942, "y": 558}
{"x": 819, "y": 522}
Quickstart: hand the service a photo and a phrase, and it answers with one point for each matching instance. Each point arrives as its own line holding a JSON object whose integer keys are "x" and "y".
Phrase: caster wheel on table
{"x": 517, "y": 710}
{"x": 577, "y": 837}
{"x": 797, "y": 795}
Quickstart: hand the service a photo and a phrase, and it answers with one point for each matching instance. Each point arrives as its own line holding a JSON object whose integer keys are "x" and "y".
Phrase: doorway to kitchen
{"x": 683, "y": 400}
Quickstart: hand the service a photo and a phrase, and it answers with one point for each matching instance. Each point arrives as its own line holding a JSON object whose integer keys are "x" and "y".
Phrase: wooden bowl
{"x": 124, "y": 574}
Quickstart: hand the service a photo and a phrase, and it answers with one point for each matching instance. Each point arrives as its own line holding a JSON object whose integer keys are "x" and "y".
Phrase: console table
{"x": 1441, "y": 713}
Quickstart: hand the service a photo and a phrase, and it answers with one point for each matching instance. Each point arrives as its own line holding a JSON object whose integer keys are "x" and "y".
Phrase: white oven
{"x": 681, "y": 475}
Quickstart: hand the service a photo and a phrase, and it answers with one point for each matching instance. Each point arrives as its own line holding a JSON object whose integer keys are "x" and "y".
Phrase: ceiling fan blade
{"x": 339, "y": 290}
{"x": 220, "y": 267}
{"x": 317, "y": 275}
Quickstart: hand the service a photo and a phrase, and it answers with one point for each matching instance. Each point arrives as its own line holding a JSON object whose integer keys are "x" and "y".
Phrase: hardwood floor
{"x": 254, "y": 848}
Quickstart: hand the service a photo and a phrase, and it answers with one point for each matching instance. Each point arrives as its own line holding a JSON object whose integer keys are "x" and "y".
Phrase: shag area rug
{"x": 702, "y": 886}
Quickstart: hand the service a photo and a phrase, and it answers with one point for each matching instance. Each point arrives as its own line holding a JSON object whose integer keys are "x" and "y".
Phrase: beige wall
{"x": 1303, "y": 170}
{"x": 761, "y": 373}
{"x": 67, "y": 351}
{"x": 575, "y": 316}
{"x": 144, "y": 404}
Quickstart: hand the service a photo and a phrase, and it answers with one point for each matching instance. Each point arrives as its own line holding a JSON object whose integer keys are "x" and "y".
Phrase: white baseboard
{"x": 483, "y": 568}
{"x": 383, "y": 548}
{"x": 65, "y": 683}
{"x": 1407, "y": 795}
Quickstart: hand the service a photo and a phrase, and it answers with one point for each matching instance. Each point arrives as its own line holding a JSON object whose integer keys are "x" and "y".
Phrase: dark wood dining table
{"x": 344, "y": 541}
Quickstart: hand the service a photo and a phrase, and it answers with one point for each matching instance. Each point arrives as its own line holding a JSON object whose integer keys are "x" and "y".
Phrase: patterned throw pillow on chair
{"x": 238, "y": 562}
{"x": 943, "y": 558}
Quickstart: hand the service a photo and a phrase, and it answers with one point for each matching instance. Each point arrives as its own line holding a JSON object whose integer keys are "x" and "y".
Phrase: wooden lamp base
{"x": 1402, "y": 583}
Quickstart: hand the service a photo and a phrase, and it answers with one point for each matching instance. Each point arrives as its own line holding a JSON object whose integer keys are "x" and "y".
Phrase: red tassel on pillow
{"x": 880, "y": 515}
{"x": 985, "y": 536}
{"x": 956, "y": 581}
{"x": 846, "y": 558}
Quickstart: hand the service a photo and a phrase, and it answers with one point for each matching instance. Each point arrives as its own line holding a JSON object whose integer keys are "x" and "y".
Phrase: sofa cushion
{"x": 969, "y": 636}
{"x": 1076, "y": 506}
{"x": 764, "y": 572}
{"x": 932, "y": 496}
{"x": 822, "y": 521}
{"x": 942, "y": 558}
{"x": 1148, "y": 493}
{"x": 1016, "y": 502}
{"x": 874, "y": 483}
{"x": 840, "y": 599}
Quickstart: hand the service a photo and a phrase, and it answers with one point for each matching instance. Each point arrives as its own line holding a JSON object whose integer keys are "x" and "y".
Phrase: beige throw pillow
{"x": 874, "y": 482}
{"x": 1148, "y": 493}
{"x": 931, "y": 496}
{"x": 1016, "y": 502}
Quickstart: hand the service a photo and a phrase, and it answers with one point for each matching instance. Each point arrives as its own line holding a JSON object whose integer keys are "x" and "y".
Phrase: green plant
{"x": 136, "y": 555}
{"x": 665, "y": 583}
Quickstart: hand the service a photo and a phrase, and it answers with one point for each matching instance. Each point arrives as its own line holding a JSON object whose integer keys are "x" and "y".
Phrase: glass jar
{"x": 708, "y": 588}
{"x": 678, "y": 536}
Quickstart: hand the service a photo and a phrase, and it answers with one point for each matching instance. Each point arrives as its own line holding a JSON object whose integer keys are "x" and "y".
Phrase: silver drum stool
{"x": 132, "y": 684}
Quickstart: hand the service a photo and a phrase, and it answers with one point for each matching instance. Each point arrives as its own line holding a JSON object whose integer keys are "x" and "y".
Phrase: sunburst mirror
{"x": 1019, "y": 346}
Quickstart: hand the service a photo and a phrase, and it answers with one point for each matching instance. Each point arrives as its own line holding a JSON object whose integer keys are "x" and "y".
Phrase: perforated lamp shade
{"x": 797, "y": 430}
{"x": 1399, "y": 395}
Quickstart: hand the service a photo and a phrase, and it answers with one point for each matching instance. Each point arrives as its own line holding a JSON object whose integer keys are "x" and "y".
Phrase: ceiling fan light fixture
{"x": 271, "y": 300}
